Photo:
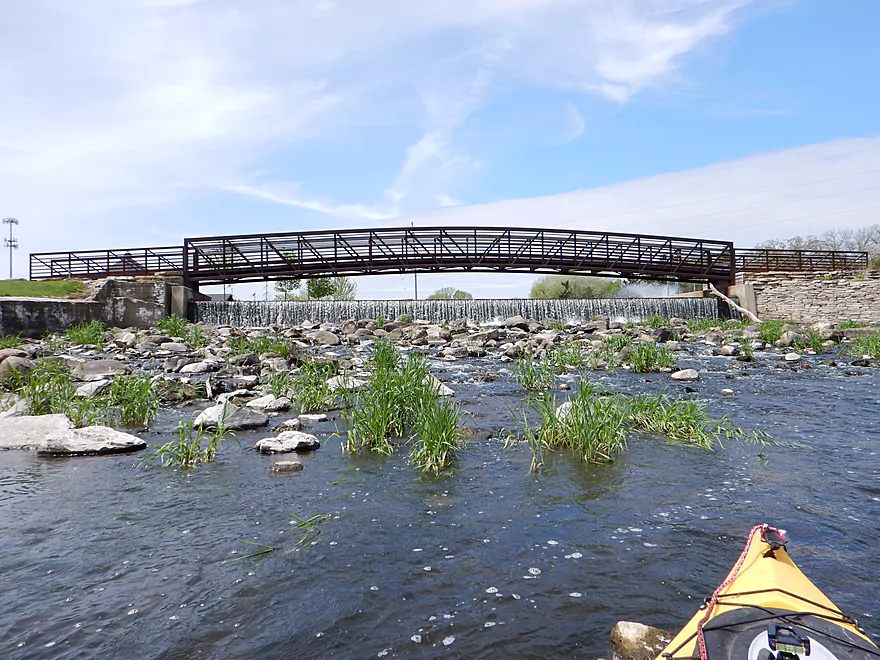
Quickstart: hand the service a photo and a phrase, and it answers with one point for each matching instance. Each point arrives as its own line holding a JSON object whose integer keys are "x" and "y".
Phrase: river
{"x": 101, "y": 558}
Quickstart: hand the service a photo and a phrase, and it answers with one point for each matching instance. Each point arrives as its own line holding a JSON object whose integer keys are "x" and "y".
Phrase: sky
{"x": 137, "y": 123}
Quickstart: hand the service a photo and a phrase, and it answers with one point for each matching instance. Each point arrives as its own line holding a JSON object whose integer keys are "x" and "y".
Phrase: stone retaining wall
{"x": 831, "y": 297}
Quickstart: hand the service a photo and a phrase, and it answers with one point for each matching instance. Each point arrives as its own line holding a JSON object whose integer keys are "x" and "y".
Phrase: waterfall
{"x": 260, "y": 314}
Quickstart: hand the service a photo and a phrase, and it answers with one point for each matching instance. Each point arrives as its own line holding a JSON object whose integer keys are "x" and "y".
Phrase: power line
{"x": 10, "y": 242}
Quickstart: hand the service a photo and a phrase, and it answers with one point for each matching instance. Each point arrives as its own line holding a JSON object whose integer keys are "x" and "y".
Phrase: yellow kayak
{"x": 767, "y": 609}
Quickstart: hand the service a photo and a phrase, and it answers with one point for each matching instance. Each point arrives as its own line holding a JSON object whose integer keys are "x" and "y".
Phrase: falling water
{"x": 257, "y": 314}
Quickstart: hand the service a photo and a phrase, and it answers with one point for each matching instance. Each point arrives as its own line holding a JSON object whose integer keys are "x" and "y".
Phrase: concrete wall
{"x": 831, "y": 297}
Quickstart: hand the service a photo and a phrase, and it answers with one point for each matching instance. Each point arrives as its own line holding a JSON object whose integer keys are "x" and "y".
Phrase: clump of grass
{"x": 649, "y": 357}
{"x": 309, "y": 527}
{"x": 656, "y": 321}
{"x": 569, "y": 355}
{"x": 438, "y": 435}
{"x": 195, "y": 336}
{"x": 680, "y": 420}
{"x": 533, "y": 375}
{"x": 188, "y": 450}
{"x": 867, "y": 345}
{"x": 813, "y": 341}
{"x": 851, "y": 325}
{"x": 88, "y": 334}
{"x": 53, "y": 343}
{"x": 307, "y": 387}
{"x": 617, "y": 343}
{"x": 175, "y": 326}
{"x": 134, "y": 401}
{"x": 280, "y": 383}
{"x": 10, "y": 341}
{"x": 746, "y": 348}
{"x": 700, "y": 325}
{"x": 261, "y": 346}
{"x": 771, "y": 331}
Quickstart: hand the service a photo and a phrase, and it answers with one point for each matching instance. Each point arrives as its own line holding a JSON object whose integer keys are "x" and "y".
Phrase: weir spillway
{"x": 264, "y": 313}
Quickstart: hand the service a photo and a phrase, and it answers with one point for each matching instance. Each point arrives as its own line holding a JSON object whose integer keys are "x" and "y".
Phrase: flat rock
{"x": 270, "y": 403}
{"x": 313, "y": 417}
{"x": 92, "y": 388}
{"x": 197, "y": 368}
{"x": 174, "y": 347}
{"x": 685, "y": 375}
{"x": 29, "y": 432}
{"x": 437, "y": 387}
{"x": 14, "y": 366}
{"x": 245, "y": 359}
{"x": 287, "y": 441}
{"x": 727, "y": 392}
{"x": 99, "y": 369}
{"x": 90, "y": 440}
{"x": 236, "y": 417}
{"x": 636, "y": 641}
{"x": 324, "y": 338}
{"x": 345, "y": 382}
{"x": 12, "y": 352}
{"x": 285, "y": 467}
{"x": 292, "y": 424}
{"x": 789, "y": 357}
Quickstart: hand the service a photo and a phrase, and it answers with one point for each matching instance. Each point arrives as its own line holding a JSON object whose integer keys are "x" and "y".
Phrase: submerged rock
{"x": 636, "y": 641}
{"x": 235, "y": 417}
{"x": 90, "y": 440}
{"x": 287, "y": 441}
{"x": 286, "y": 467}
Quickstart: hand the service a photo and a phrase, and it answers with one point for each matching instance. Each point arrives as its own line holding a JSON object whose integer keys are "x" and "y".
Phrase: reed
{"x": 10, "y": 341}
{"x": 569, "y": 356}
{"x": 771, "y": 331}
{"x": 196, "y": 336}
{"x": 746, "y": 348}
{"x": 308, "y": 387}
{"x": 438, "y": 435}
{"x": 655, "y": 321}
{"x": 813, "y": 341}
{"x": 88, "y": 334}
{"x": 280, "y": 384}
{"x": 533, "y": 375}
{"x": 188, "y": 450}
{"x": 649, "y": 357}
{"x": 133, "y": 401}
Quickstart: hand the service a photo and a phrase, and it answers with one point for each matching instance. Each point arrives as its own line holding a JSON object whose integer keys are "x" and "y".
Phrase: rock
{"x": 662, "y": 335}
{"x": 636, "y": 641}
{"x": 324, "y": 338}
{"x": 313, "y": 417}
{"x": 436, "y": 332}
{"x": 15, "y": 406}
{"x": 473, "y": 433}
{"x": 236, "y": 417}
{"x": 30, "y": 432}
{"x": 12, "y": 352}
{"x": 563, "y": 410}
{"x": 685, "y": 375}
{"x": 90, "y": 440}
{"x": 245, "y": 359}
{"x": 726, "y": 350}
{"x": 792, "y": 357}
{"x": 790, "y": 337}
{"x": 125, "y": 339}
{"x": 276, "y": 364}
{"x": 99, "y": 369}
{"x": 285, "y": 467}
{"x": 437, "y": 387}
{"x": 92, "y": 388}
{"x": 197, "y": 368}
{"x": 292, "y": 424}
{"x": 270, "y": 403}
{"x": 13, "y": 367}
{"x": 287, "y": 441}
{"x": 345, "y": 382}
{"x": 727, "y": 392}
{"x": 455, "y": 352}
{"x": 516, "y": 321}
{"x": 174, "y": 347}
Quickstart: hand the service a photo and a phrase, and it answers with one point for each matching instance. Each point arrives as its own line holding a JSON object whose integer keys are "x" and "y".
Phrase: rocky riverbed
{"x": 603, "y": 540}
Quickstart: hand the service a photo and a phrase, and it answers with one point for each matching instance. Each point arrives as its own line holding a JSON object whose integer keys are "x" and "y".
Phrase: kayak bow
{"x": 767, "y": 609}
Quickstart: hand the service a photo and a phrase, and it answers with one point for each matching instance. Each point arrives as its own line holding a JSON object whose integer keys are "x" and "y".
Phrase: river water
{"x": 99, "y": 558}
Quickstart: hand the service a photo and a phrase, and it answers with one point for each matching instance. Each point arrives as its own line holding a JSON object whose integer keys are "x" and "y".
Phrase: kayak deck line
{"x": 767, "y": 604}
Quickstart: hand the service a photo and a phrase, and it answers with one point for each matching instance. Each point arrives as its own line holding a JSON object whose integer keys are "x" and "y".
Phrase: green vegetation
{"x": 10, "y": 341}
{"x": 309, "y": 390}
{"x": 533, "y": 375}
{"x": 399, "y": 400}
{"x": 130, "y": 401}
{"x": 851, "y": 325}
{"x": 569, "y": 356}
{"x": 655, "y": 321}
{"x": 309, "y": 527}
{"x": 173, "y": 325}
{"x": 771, "y": 331}
{"x": 88, "y": 334}
{"x": 450, "y": 293}
{"x": 187, "y": 451}
{"x": 867, "y": 345}
{"x": 324, "y": 288}
{"x": 814, "y": 341}
{"x": 261, "y": 346}
{"x": 574, "y": 286}
{"x": 594, "y": 425}
{"x": 746, "y": 348}
{"x": 40, "y": 289}
{"x": 701, "y": 325}
{"x": 649, "y": 357}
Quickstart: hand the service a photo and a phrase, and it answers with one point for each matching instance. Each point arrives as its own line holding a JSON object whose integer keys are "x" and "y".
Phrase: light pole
{"x": 10, "y": 242}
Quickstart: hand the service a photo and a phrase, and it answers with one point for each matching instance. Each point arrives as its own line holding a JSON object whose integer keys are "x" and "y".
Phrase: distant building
{"x": 220, "y": 297}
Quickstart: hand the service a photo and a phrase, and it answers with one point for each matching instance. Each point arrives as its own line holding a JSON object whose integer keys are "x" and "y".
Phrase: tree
{"x": 575, "y": 286}
{"x": 344, "y": 288}
{"x": 287, "y": 287}
{"x": 450, "y": 293}
{"x": 332, "y": 288}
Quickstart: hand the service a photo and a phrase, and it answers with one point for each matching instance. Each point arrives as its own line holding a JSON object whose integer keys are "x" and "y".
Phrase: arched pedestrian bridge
{"x": 310, "y": 254}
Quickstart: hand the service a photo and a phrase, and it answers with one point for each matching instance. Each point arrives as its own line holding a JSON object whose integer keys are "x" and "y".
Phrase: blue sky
{"x": 138, "y": 123}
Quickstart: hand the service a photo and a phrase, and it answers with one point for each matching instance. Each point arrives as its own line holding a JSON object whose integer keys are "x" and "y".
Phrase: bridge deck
{"x": 259, "y": 257}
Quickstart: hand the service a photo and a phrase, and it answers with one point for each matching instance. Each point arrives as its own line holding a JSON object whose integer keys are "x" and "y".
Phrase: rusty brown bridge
{"x": 311, "y": 254}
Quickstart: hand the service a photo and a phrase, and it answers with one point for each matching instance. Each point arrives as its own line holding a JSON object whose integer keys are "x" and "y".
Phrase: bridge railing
{"x": 424, "y": 249}
{"x": 807, "y": 261}
{"x": 103, "y": 263}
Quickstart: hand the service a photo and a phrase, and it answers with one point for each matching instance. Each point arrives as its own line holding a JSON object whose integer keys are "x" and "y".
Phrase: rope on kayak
{"x": 713, "y": 600}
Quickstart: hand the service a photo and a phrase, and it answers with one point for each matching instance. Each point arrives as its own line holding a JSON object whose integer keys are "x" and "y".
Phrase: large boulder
{"x": 516, "y": 321}
{"x": 685, "y": 375}
{"x": 90, "y": 440}
{"x": 12, "y": 352}
{"x": 30, "y": 432}
{"x": 99, "y": 369}
{"x": 287, "y": 441}
{"x": 324, "y": 338}
{"x": 13, "y": 367}
{"x": 231, "y": 416}
{"x": 345, "y": 382}
{"x": 636, "y": 641}
{"x": 269, "y": 403}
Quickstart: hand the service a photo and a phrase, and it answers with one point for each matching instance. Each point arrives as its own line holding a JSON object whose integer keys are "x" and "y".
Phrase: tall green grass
{"x": 175, "y": 326}
{"x": 10, "y": 341}
{"x": 194, "y": 445}
{"x": 308, "y": 389}
{"x": 649, "y": 357}
{"x": 438, "y": 435}
{"x": 533, "y": 375}
{"x": 261, "y": 346}
{"x": 867, "y": 345}
{"x": 88, "y": 334}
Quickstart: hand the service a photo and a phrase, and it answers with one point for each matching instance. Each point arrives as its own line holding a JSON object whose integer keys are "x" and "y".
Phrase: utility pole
{"x": 10, "y": 242}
